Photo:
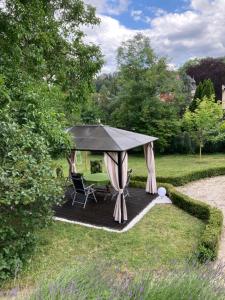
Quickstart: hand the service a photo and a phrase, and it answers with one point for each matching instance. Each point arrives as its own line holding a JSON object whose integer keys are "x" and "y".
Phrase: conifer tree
{"x": 204, "y": 89}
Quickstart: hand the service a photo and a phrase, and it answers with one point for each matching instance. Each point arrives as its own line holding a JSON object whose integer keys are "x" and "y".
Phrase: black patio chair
{"x": 88, "y": 192}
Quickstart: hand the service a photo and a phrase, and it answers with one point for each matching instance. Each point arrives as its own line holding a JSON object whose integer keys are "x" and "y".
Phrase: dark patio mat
{"x": 101, "y": 213}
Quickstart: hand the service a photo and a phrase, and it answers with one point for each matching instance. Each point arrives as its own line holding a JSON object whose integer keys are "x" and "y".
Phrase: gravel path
{"x": 211, "y": 191}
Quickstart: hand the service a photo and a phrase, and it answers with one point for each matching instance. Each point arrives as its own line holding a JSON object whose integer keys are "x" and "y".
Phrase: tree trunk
{"x": 200, "y": 151}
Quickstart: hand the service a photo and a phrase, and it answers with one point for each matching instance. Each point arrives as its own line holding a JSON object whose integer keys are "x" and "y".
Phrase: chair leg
{"x": 74, "y": 198}
{"x": 114, "y": 195}
{"x": 127, "y": 192}
{"x": 93, "y": 193}
{"x": 86, "y": 198}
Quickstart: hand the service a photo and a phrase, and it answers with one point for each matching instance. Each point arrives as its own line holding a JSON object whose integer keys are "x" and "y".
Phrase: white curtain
{"x": 151, "y": 186}
{"x": 71, "y": 161}
{"x": 111, "y": 160}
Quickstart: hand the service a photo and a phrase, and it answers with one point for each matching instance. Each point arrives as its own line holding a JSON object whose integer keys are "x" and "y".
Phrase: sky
{"x": 178, "y": 29}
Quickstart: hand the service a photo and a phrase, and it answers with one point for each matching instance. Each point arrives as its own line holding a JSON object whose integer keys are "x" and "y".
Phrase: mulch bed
{"x": 101, "y": 213}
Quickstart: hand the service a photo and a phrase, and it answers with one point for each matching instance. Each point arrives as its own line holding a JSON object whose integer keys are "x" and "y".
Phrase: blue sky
{"x": 178, "y": 29}
{"x": 139, "y": 12}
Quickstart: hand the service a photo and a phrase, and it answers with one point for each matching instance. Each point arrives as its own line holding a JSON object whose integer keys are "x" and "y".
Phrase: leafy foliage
{"x": 46, "y": 71}
{"x": 28, "y": 190}
{"x": 42, "y": 40}
{"x": 136, "y": 103}
{"x": 205, "y": 123}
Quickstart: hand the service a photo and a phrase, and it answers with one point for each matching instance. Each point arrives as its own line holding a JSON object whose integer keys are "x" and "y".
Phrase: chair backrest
{"x": 78, "y": 183}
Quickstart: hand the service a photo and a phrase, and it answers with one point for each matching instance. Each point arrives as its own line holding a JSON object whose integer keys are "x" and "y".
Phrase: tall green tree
{"x": 205, "y": 123}
{"x": 142, "y": 78}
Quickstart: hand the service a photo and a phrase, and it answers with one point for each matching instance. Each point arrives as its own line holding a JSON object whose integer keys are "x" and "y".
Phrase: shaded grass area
{"x": 166, "y": 166}
{"x": 165, "y": 235}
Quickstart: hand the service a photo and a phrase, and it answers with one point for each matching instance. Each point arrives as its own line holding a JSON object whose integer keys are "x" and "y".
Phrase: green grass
{"x": 166, "y": 166}
{"x": 166, "y": 234}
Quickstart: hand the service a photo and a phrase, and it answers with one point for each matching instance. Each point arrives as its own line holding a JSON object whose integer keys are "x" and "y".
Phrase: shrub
{"x": 28, "y": 191}
{"x": 196, "y": 208}
{"x": 209, "y": 242}
{"x": 213, "y": 217}
{"x": 181, "y": 180}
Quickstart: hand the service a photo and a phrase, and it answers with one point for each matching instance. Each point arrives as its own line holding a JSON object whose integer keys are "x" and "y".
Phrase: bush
{"x": 196, "y": 208}
{"x": 181, "y": 180}
{"x": 28, "y": 188}
{"x": 213, "y": 217}
{"x": 209, "y": 242}
{"x": 28, "y": 191}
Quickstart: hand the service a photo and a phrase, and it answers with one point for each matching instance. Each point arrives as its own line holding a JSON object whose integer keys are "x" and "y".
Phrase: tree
{"x": 107, "y": 88}
{"x": 205, "y": 123}
{"x": 41, "y": 40}
{"x": 207, "y": 89}
{"x": 198, "y": 92}
{"x": 208, "y": 68}
{"x": 204, "y": 89}
{"x": 46, "y": 70}
{"x": 142, "y": 76}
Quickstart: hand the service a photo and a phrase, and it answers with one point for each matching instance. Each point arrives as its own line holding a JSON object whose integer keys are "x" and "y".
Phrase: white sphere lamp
{"x": 161, "y": 192}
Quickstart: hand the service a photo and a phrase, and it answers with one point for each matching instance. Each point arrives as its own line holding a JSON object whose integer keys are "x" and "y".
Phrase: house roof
{"x": 106, "y": 138}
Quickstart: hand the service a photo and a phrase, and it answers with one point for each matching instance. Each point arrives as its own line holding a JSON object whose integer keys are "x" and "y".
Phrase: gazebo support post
{"x": 120, "y": 179}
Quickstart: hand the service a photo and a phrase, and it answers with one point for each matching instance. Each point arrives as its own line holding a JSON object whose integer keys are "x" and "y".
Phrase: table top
{"x": 97, "y": 178}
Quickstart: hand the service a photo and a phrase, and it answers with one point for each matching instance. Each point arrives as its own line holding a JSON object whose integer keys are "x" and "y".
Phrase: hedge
{"x": 213, "y": 218}
{"x": 181, "y": 180}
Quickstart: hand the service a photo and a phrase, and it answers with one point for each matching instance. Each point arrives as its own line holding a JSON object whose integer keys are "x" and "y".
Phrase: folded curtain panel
{"x": 72, "y": 162}
{"x": 112, "y": 166}
{"x": 151, "y": 186}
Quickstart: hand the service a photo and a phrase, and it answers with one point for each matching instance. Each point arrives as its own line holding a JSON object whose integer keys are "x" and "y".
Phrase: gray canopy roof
{"x": 105, "y": 138}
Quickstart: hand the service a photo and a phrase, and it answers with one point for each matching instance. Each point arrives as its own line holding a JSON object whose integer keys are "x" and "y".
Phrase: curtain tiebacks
{"x": 120, "y": 191}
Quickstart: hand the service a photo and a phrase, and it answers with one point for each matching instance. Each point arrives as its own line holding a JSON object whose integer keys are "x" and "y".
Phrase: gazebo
{"x": 114, "y": 143}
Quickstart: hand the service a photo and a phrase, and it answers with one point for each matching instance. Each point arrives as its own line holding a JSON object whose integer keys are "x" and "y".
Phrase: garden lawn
{"x": 166, "y": 166}
{"x": 164, "y": 236}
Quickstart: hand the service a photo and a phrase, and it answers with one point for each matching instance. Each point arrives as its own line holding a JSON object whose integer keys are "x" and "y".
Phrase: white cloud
{"x": 157, "y": 11}
{"x": 197, "y": 32}
{"x": 136, "y": 14}
{"x": 2, "y": 5}
{"x": 111, "y": 7}
{"x": 200, "y": 4}
{"x": 109, "y": 35}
